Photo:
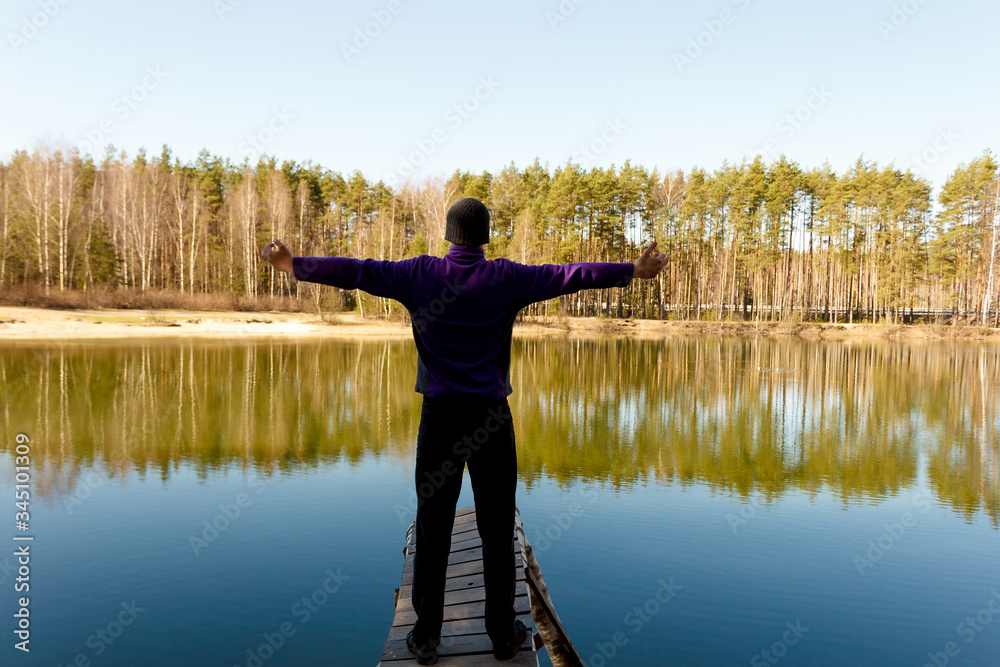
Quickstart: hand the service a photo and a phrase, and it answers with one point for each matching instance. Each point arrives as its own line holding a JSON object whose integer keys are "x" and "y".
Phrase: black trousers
{"x": 454, "y": 431}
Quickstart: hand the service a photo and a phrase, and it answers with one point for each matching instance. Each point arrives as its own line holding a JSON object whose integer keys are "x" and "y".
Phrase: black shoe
{"x": 509, "y": 650}
{"x": 426, "y": 653}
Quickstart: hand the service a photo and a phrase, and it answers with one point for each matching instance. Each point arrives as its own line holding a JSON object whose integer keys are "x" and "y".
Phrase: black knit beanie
{"x": 468, "y": 223}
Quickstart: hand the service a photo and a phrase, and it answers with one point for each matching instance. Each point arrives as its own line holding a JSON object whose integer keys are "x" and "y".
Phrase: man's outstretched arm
{"x": 546, "y": 281}
{"x": 381, "y": 278}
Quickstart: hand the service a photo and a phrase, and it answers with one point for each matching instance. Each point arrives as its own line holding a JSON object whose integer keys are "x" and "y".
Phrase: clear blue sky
{"x": 882, "y": 84}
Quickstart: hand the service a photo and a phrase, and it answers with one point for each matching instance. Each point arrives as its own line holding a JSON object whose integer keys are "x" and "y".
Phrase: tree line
{"x": 753, "y": 240}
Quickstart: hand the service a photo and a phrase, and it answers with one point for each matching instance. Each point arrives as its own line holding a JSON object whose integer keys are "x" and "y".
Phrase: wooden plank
{"x": 459, "y": 612}
{"x": 476, "y": 594}
{"x": 465, "y": 529}
{"x": 463, "y": 569}
{"x": 458, "y": 570}
{"x": 467, "y": 518}
{"x": 458, "y": 541}
{"x": 463, "y": 541}
{"x": 458, "y": 583}
{"x": 455, "y": 557}
{"x": 464, "y": 556}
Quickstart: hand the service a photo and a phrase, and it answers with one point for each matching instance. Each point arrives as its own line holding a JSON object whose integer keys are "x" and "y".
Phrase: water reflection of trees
{"x": 742, "y": 416}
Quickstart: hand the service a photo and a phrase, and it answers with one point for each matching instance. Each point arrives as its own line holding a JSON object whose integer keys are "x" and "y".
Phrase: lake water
{"x": 691, "y": 501}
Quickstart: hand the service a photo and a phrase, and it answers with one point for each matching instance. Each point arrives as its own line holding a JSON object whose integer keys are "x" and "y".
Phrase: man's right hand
{"x": 651, "y": 263}
{"x": 281, "y": 258}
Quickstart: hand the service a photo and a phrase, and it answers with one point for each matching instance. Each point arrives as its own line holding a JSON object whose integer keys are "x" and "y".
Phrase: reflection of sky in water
{"x": 615, "y": 499}
{"x": 744, "y": 567}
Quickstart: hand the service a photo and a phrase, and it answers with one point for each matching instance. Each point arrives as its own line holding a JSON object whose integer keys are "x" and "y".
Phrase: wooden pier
{"x": 463, "y": 636}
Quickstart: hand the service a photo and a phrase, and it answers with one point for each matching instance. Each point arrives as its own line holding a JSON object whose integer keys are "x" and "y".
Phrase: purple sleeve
{"x": 378, "y": 277}
{"x": 546, "y": 281}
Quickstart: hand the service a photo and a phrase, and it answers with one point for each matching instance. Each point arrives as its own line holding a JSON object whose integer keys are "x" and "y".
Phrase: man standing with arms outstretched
{"x": 463, "y": 307}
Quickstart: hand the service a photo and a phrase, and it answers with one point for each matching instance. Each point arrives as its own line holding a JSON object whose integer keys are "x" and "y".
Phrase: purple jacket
{"x": 462, "y": 307}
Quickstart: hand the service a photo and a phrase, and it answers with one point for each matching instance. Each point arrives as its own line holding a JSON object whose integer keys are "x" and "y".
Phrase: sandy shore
{"x": 18, "y": 323}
